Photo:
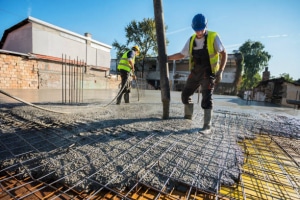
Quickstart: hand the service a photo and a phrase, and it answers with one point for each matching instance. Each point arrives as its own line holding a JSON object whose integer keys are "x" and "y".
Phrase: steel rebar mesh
{"x": 96, "y": 151}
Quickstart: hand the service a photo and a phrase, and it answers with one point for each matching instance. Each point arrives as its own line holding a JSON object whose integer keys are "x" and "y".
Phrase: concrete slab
{"x": 104, "y": 97}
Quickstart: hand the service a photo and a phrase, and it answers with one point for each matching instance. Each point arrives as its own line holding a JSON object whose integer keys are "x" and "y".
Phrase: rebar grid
{"x": 93, "y": 158}
{"x": 268, "y": 172}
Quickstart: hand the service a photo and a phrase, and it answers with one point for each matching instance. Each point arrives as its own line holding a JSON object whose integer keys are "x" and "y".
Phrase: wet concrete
{"x": 145, "y": 96}
{"x": 121, "y": 145}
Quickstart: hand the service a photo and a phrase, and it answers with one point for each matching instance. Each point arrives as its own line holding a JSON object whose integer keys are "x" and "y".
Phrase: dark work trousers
{"x": 124, "y": 83}
{"x": 201, "y": 75}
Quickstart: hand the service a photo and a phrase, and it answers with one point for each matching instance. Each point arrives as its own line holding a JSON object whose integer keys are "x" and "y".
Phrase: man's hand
{"x": 218, "y": 76}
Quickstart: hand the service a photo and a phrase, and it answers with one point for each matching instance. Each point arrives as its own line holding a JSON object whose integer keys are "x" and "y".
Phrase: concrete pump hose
{"x": 18, "y": 99}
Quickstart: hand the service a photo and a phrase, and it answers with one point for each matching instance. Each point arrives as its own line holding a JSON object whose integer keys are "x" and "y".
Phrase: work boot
{"x": 119, "y": 99}
{"x": 207, "y": 119}
{"x": 188, "y": 111}
{"x": 126, "y": 97}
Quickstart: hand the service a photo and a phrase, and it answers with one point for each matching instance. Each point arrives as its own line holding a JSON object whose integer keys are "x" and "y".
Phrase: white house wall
{"x": 292, "y": 92}
{"x": 52, "y": 42}
{"x": 19, "y": 40}
{"x": 229, "y": 75}
{"x": 98, "y": 56}
{"x": 230, "y": 69}
{"x": 48, "y": 41}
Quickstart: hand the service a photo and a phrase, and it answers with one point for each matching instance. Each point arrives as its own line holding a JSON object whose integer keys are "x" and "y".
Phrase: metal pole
{"x": 65, "y": 74}
{"x": 174, "y": 70}
{"x": 77, "y": 80}
{"x": 70, "y": 79}
{"x": 62, "y": 78}
{"x": 299, "y": 99}
{"x": 199, "y": 94}
{"x": 162, "y": 56}
{"x": 74, "y": 79}
{"x": 295, "y": 106}
{"x": 80, "y": 81}
{"x": 82, "y": 71}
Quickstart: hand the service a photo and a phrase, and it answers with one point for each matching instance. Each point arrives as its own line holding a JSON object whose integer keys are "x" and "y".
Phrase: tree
{"x": 286, "y": 77}
{"x": 142, "y": 34}
{"x": 255, "y": 81}
{"x": 240, "y": 66}
{"x": 255, "y": 59}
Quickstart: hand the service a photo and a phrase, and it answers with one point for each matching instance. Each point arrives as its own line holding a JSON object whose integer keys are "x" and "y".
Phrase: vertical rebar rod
{"x": 76, "y": 85}
{"x": 65, "y": 64}
{"x": 82, "y": 73}
{"x": 74, "y": 80}
{"x": 62, "y": 78}
{"x": 70, "y": 78}
{"x": 80, "y": 89}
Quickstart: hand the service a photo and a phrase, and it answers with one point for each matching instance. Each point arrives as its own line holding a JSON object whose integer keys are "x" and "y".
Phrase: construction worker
{"x": 203, "y": 49}
{"x": 126, "y": 68}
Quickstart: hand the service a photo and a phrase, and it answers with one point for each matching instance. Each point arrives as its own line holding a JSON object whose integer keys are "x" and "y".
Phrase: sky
{"x": 274, "y": 23}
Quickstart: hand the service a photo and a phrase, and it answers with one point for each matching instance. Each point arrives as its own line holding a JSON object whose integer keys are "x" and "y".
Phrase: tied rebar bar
{"x": 95, "y": 154}
{"x": 72, "y": 80}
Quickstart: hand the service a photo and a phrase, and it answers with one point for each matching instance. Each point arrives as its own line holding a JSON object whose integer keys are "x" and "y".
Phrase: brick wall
{"x": 21, "y": 72}
{"x": 17, "y": 72}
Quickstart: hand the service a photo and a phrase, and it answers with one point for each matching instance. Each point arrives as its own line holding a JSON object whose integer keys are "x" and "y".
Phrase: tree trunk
{"x": 162, "y": 57}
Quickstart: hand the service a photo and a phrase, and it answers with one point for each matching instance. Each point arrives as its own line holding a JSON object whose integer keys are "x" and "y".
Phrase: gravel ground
{"x": 120, "y": 146}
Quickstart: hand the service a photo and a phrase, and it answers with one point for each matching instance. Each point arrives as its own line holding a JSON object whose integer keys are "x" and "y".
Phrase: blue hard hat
{"x": 199, "y": 22}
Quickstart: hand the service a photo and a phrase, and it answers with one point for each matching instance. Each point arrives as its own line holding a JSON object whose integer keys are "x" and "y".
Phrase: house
{"x": 278, "y": 91}
{"x": 37, "y": 37}
{"x": 33, "y": 52}
{"x": 179, "y": 71}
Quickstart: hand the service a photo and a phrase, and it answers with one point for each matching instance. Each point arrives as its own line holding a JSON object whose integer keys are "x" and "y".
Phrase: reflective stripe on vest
{"x": 213, "y": 56}
{"x": 124, "y": 64}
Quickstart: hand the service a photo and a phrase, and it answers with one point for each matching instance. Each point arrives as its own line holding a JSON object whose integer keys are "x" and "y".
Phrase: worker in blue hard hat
{"x": 207, "y": 60}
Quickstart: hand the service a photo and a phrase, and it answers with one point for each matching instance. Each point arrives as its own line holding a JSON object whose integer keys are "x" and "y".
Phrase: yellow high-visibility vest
{"x": 124, "y": 64}
{"x": 213, "y": 56}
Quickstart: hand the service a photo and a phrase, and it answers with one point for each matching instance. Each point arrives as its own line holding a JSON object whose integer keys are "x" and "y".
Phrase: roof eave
{"x": 7, "y": 31}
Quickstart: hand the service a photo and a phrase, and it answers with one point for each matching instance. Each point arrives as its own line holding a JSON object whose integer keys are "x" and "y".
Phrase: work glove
{"x": 218, "y": 76}
{"x": 132, "y": 74}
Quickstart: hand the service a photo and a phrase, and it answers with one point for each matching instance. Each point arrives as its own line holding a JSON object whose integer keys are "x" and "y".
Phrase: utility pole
{"x": 162, "y": 57}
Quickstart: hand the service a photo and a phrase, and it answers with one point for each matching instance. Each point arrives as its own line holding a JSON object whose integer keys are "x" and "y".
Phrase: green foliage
{"x": 120, "y": 49}
{"x": 255, "y": 59}
{"x": 240, "y": 66}
{"x": 142, "y": 34}
{"x": 286, "y": 77}
{"x": 249, "y": 84}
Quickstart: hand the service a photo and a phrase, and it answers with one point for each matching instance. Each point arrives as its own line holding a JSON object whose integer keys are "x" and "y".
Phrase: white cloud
{"x": 233, "y": 46}
{"x": 177, "y": 31}
{"x": 274, "y": 36}
{"x": 28, "y": 11}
